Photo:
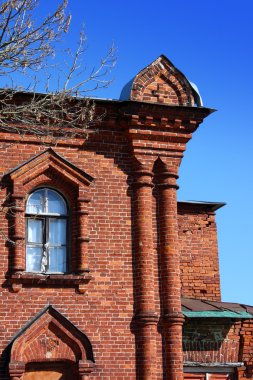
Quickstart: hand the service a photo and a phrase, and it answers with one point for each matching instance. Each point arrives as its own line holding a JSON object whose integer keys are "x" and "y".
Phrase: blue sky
{"x": 211, "y": 43}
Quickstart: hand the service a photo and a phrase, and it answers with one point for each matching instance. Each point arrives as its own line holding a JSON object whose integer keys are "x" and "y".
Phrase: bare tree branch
{"x": 27, "y": 46}
{"x": 26, "y": 51}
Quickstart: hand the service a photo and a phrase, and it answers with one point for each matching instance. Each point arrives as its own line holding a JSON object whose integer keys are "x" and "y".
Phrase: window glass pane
{"x": 36, "y": 202}
{"x": 56, "y": 204}
{"x": 34, "y": 231}
{"x": 46, "y": 201}
{"x": 33, "y": 259}
{"x": 57, "y": 260}
{"x": 57, "y": 231}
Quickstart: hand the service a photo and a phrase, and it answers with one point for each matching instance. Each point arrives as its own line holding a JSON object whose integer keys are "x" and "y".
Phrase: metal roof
{"x": 213, "y": 206}
{"x": 194, "y": 308}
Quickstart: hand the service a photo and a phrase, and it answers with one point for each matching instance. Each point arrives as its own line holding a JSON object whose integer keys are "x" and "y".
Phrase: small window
{"x": 46, "y": 232}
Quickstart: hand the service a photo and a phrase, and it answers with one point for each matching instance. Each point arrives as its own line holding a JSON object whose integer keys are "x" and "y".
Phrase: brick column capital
{"x": 142, "y": 178}
{"x": 147, "y": 318}
{"x": 167, "y": 180}
{"x": 166, "y": 175}
{"x": 142, "y": 174}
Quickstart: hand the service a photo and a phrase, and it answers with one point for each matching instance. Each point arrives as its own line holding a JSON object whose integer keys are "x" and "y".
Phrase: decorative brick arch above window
{"x": 47, "y": 339}
{"x": 49, "y": 170}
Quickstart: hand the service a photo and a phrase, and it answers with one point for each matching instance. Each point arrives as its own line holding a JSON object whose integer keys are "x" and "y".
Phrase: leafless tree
{"x": 28, "y": 49}
{"x": 27, "y": 46}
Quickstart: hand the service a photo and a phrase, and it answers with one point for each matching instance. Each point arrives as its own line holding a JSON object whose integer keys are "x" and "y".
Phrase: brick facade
{"x": 117, "y": 313}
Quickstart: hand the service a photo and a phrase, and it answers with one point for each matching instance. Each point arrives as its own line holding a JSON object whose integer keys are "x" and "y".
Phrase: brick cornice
{"x": 158, "y": 130}
{"x": 117, "y": 113}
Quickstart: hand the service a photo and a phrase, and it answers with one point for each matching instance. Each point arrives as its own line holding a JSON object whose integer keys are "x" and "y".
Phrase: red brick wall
{"x": 105, "y": 312}
{"x": 199, "y": 252}
{"x": 246, "y": 334}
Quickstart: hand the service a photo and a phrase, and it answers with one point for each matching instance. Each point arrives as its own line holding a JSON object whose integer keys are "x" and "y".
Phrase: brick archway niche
{"x": 50, "y": 347}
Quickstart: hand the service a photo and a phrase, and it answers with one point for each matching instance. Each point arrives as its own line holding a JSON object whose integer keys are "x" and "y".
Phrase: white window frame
{"x": 45, "y": 217}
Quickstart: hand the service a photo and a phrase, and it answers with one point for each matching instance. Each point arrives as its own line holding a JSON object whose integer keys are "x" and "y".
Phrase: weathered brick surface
{"x": 198, "y": 252}
{"x": 220, "y": 341}
{"x": 211, "y": 341}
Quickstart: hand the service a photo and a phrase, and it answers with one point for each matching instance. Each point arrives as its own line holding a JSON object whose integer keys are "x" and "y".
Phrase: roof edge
{"x": 213, "y": 206}
{"x": 218, "y": 314}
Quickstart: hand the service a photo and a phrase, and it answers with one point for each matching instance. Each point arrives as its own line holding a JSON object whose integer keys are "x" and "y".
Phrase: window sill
{"x": 79, "y": 282}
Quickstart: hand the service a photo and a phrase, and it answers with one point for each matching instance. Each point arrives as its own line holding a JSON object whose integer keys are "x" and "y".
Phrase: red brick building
{"x": 110, "y": 277}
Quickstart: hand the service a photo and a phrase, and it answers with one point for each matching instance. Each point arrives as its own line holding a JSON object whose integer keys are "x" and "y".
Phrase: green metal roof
{"x": 218, "y": 314}
{"x": 200, "y": 308}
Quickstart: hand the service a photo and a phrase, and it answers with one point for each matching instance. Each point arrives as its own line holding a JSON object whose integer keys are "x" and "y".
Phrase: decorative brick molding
{"x": 161, "y": 82}
{"x": 52, "y": 170}
{"x": 50, "y": 337}
{"x": 17, "y": 280}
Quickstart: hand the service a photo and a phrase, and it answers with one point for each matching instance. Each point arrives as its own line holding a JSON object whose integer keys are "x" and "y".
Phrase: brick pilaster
{"x": 83, "y": 239}
{"x": 172, "y": 316}
{"x": 17, "y": 232}
{"x": 145, "y": 316}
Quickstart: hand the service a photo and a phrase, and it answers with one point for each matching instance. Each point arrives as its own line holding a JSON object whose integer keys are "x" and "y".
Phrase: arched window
{"x": 46, "y": 232}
